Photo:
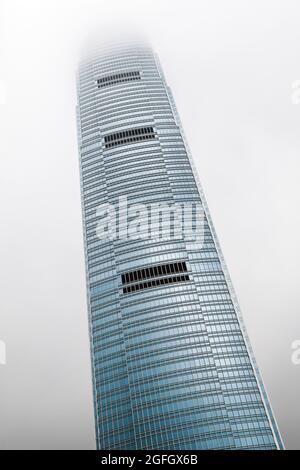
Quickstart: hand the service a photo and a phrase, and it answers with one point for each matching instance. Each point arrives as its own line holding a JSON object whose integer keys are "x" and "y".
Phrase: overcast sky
{"x": 231, "y": 66}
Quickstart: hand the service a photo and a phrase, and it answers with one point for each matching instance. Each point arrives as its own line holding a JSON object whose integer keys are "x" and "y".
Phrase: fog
{"x": 233, "y": 68}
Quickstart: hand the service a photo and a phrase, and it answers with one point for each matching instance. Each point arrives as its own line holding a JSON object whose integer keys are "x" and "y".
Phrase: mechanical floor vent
{"x": 129, "y": 136}
{"x": 154, "y": 276}
{"x": 116, "y": 78}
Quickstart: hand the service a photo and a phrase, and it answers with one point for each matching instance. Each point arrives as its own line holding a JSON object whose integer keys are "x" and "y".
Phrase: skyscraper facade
{"x": 172, "y": 365}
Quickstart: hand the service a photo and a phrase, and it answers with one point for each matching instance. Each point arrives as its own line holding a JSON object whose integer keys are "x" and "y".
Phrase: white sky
{"x": 231, "y": 66}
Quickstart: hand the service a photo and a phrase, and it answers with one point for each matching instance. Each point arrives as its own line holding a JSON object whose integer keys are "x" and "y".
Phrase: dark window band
{"x": 154, "y": 271}
{"x": 118, "y": 78}
{"x": 128, "y": 136}
{"x": 155, "y": 283}
{"x": 166, "y": 274}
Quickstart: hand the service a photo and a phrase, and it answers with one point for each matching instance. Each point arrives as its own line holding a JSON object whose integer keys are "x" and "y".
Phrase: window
{"x": 129, "y": 136}
{"x": 155, "y": 283}
{"x": 147, "y": 275}
{"x": 118, "y": 78}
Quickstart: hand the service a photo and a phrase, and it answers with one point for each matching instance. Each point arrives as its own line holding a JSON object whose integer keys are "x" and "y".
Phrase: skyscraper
{"x": 171, "y": 362}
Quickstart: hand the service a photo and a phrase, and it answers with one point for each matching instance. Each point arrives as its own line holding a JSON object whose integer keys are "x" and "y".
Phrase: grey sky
{"x": 231, "y": 66}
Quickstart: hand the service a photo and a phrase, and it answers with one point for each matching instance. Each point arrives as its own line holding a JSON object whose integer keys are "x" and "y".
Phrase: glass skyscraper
{"x": 171, "y": 362}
